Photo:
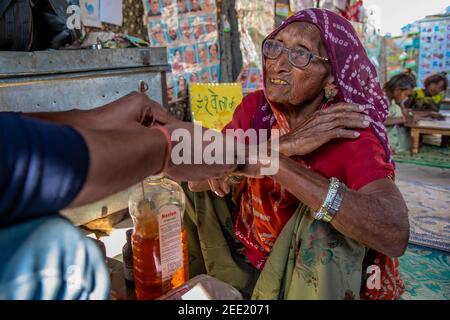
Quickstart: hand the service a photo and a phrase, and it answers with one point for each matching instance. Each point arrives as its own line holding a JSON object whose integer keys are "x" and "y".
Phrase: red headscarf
{"x": 355, "y": 76}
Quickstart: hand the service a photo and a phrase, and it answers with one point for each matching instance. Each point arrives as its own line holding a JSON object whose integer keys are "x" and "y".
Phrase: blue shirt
{"x": 42, "y": 167}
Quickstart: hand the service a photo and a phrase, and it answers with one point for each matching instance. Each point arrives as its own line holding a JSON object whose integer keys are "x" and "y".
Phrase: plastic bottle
{"x": 159, "y": 241}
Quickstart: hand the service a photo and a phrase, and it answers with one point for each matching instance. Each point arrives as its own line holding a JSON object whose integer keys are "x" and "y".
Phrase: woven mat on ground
{"x": 429, "y": 213}
{"x": 426, "y": 273}
{"x": 429, "y": 155}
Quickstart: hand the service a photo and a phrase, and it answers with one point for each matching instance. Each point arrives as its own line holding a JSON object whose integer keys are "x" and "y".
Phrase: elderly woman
{"x": 330, "y": 223}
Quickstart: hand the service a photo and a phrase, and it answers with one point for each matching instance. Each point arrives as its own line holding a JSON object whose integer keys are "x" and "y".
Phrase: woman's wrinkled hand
{"x": 340, "y": 121}
{"x": 221, "y": 186}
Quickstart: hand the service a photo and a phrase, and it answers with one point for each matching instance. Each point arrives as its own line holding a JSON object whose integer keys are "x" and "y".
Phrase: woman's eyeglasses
{"x": 298, "y": 56}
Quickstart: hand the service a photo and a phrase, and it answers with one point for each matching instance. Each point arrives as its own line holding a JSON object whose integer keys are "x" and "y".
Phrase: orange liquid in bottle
{"x": 159, "y": 240}
{"x": 148, "y": 269}
{"x": 184, "y": 242}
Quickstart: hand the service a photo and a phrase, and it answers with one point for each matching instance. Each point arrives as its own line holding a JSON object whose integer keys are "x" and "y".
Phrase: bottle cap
{"x": 129, "y": 234}
{"x": 156, "y": 176}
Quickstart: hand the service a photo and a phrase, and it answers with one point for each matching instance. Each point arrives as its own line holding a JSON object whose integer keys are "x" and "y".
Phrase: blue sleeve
{"x": 43, "y": 167}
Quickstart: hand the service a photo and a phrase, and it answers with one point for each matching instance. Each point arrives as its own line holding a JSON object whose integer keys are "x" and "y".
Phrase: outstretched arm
{"x": 376, "y": 215}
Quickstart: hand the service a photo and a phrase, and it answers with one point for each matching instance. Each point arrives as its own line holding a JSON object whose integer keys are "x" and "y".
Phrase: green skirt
{"x": 309, "y": 260}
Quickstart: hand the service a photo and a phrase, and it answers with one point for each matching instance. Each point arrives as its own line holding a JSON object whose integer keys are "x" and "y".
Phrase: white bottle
{"x": 159, "y": 240}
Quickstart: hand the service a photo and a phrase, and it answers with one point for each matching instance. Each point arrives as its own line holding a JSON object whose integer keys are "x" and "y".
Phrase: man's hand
{"x": 131, "y": 111}
{"x": 336, "y": 122}
{"x": 187, "y": 170}
{"x": 251, "y": 168}
{"x": 134, "y": 109}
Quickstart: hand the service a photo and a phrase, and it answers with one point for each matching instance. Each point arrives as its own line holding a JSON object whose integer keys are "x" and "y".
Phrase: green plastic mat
{"x": 429, "y": 155}
{"x": 426, "y": 274}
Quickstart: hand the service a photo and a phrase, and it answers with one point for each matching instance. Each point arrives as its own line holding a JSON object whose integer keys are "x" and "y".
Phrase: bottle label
{"x": 170, "y": 243}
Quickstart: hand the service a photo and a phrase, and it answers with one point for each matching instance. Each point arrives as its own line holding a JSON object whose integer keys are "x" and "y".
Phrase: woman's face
{"x": 182, "y": 84}
{"x": 435, "y": 88}
{"x": 195, "y": 5}
{"x": 154, "y": 6}
{"x": 213, "y": 51}
{"x": 185, "y": 29}
{"x": 198, "y": 29}
{"x": 194, "y": 78}
{"x": 158, "y": 34}
{"x": 181, "y": 5}
{"x": 173, "y": 33}
{"x": 189, "y": 57}
{"x": 205, "y": 77}
{"x": 400, "y": 95}
{"x": 289, "y": 85}
{"x": 177, "y": 56}
{"x": 170, "y": 93}
{"x": 210, "y": 24}
{"x": 203, "y": 55}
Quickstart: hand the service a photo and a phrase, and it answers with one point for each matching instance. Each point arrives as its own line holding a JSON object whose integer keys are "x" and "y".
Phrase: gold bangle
{"x": 323, "y": 213}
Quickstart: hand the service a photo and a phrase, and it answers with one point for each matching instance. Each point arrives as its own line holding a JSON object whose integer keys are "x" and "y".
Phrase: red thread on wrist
{"x": 166, "y": 134}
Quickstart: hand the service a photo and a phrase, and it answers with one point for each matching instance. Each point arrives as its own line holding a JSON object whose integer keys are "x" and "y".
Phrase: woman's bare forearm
{"x": 375, "y": 216}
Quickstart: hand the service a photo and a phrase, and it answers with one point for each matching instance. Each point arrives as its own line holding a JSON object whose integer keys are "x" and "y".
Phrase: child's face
{"x": 436, "y": 88}
{"x": 400, "y": 95}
